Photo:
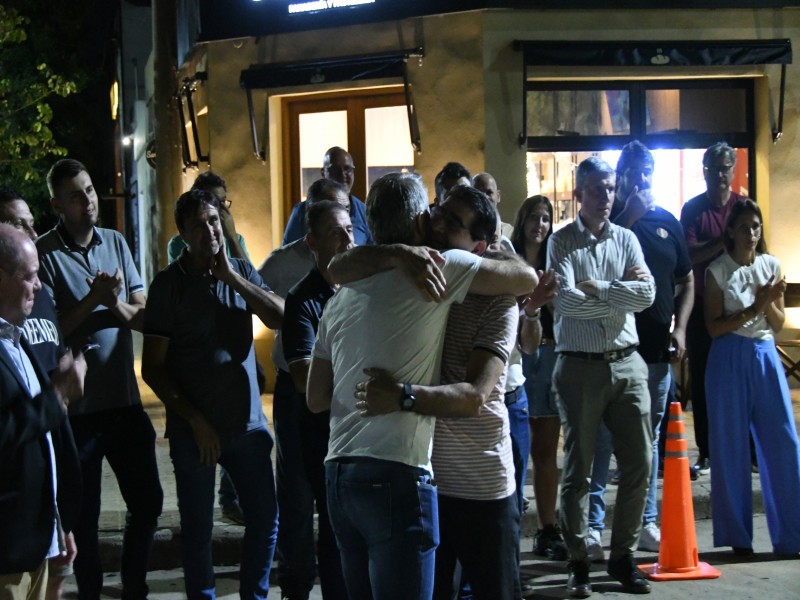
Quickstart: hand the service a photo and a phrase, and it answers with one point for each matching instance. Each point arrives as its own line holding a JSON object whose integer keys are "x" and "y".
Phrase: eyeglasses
{"x": 721, "y": 169}
{"x": 451, "y": 220}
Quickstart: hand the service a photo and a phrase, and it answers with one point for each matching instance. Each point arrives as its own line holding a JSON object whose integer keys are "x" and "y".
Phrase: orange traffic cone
{"x": 677, "y": 557}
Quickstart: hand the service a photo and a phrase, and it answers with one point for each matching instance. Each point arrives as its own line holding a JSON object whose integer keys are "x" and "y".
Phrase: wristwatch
{"x": 408, "y": 400}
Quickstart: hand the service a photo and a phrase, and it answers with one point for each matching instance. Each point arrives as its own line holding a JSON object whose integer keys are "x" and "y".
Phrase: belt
{"x": 611, "y": 356}
{"x": 513, "y": 396}
{"x": 547, "y": 342}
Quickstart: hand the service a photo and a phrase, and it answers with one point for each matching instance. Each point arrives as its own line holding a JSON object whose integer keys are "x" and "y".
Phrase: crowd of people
{"x": 423, "y": 352}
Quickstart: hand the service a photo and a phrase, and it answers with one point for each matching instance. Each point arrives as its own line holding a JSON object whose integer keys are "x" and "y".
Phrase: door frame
{"x": 355, "y": 102}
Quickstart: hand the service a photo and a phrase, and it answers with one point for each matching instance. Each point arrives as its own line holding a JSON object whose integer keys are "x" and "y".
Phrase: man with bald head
{"x": 337, "y": 164}
{"x": 43, "y": 334}
{"x": 487, "y": 184}
{"x": 39, "y": 469}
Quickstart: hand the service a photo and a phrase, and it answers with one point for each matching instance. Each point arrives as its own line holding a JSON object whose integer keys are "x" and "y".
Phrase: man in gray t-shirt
{"x": 99, "y": 298}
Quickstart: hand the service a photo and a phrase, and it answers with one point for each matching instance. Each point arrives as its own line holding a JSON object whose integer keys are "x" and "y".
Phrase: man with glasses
{"x": 338, "y": 166}
{"x": 703, "y": 219}
{"x": 234, "y": 242}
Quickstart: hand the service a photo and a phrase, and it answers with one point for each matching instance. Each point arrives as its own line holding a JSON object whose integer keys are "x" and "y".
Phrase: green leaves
{"x": 27, "y": 144}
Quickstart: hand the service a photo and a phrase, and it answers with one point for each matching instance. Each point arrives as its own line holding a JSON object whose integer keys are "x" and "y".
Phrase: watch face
{"x": 408, "y": 402}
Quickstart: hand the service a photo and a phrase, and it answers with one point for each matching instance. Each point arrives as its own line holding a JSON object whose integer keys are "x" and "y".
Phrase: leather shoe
{"x": 578, "y": 585}
{"x": 623, "y": 569}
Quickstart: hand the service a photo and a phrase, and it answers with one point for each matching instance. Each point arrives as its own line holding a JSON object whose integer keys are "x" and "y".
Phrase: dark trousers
{"x": 126, "y": 438}
{"x": 482, "y": 535}
{"x": 314, "y": 434}
{"x": 698, "y": 343}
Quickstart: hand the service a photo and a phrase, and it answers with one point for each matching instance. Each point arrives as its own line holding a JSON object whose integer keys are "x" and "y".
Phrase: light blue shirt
{"x": 9, "y": 336}
{"x": 603, "y": 322}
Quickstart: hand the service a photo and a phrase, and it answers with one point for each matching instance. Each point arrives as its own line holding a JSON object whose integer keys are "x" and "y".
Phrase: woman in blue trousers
{"x": 747, "y": 392}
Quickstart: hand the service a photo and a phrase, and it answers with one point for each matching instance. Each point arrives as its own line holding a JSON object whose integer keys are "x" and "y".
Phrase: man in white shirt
{"x": 381, "y": 498}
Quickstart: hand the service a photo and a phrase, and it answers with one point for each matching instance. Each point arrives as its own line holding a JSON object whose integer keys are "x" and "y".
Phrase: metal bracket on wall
{"x": 260, "y": 150}
{"x": 777, "y": 129}
{"x": 184, "y": 95}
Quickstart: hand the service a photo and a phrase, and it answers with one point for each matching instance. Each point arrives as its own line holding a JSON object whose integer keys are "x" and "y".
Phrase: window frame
{"x": 637, "y": 90}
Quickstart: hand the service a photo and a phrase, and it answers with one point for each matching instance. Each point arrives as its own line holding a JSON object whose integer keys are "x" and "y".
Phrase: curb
{"x": 226, "y": 539}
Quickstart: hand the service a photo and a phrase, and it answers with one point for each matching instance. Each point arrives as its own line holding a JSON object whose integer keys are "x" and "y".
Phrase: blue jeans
{"x": 483, "y": 535}
{"x": 658, "y": 382}
{"x": 538, "y": 371}
{"x": 246, "y": 458}
{"x": 295, "y": 494}
{"x": 386, "y": 521}
{"x": 517, "y": 405}
{"x": 126, "y": 438}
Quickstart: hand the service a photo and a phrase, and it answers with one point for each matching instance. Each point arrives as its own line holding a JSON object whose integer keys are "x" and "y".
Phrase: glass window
{"x": 677, "y": 177}
{"x": 388, "y": 141}
{"x": 318, "y": 132}
{"x": 705, "y": 110}
{"x": 578, "y": 112}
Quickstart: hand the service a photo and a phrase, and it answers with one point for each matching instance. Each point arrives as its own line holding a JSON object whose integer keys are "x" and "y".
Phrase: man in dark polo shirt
{"x": 664, "y": 248}
{"x": 329, "y": 232}
{"x": 281, "y": 271}
{"x": 199, "y": 359}
{"x": 99, "y": 297}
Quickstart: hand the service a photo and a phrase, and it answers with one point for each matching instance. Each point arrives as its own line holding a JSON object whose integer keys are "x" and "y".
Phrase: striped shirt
{"x": 604, "y": 322}
{"x": 472, "y": 456}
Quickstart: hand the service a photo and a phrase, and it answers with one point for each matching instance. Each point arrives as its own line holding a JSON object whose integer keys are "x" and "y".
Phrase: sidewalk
{"x": 227, "y": 537}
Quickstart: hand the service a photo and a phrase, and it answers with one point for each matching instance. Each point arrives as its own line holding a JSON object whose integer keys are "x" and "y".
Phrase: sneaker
{"x": 650, "y": 538}
{"x": 594, "y": 545}
{"x": 623, "y": 569}
{"x": 693, "y": 475}
{"x": 233, "y": 513}
{"x": 549, "y": 543}
{"x": 578, "y": 584}
{"x": 702, "y": 466}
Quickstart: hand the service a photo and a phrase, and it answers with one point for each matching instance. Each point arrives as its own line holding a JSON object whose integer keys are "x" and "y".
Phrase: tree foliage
{"x": 27, "y": 87}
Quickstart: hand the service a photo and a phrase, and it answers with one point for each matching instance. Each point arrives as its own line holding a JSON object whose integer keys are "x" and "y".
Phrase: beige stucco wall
{"x": 447, "y": 89}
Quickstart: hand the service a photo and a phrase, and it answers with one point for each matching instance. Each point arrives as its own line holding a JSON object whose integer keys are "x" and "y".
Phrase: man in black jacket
{"x": 39, "y": 473}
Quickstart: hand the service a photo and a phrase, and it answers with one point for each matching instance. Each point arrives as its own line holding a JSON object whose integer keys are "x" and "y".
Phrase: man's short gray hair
{"x": 593, "y": 164}
{"x": 717, "y": 151}
{"x": 393, "y": 203}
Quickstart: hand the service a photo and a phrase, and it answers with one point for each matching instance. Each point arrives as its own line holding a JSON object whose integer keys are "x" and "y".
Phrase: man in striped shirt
{"x": 599, "y": 376}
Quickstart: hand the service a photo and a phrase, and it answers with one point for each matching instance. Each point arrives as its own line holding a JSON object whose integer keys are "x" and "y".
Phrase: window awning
{"x": 657, "y": 54}
{"x": 331, "y": 70}
{"x": 680, "y": 53}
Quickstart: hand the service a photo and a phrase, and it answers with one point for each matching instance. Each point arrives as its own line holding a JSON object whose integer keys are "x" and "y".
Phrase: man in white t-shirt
{"x": 380, "y": 497}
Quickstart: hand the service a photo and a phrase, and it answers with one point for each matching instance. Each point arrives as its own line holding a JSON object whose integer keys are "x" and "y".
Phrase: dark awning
{"x": 656, "y": 54}
{"x": 331, "y": 70}
{"x": 312, "y": 72}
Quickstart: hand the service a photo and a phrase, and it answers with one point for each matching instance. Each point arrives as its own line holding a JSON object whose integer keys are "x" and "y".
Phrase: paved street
{"x": 762, "y": 577}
